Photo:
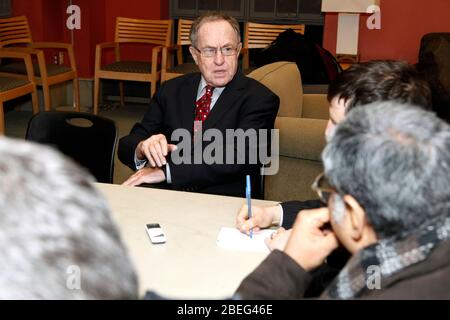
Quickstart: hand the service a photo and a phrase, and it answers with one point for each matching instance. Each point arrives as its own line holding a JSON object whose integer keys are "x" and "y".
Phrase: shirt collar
{"x": 202, "y": 85}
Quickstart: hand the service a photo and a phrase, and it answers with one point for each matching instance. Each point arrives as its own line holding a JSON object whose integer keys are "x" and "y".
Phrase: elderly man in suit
{"x": 219, "y": 98}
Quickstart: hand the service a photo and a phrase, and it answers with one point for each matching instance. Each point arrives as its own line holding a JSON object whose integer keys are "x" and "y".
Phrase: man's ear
{"x": 193, "y": 54}
{"x": 239, "y": 47}
{"x": 357, "y": 217}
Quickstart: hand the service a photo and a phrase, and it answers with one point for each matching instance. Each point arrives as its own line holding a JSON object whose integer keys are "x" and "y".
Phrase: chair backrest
{"x": 88, "y": 139}
{"x": 184, "y": 29}
{"x": 284, "y": 79}
{"x": 183, "y": 38}
{"x": 158, "y": 32}
{"x": 259, "y": 35}
{"x": 14, "y": 30}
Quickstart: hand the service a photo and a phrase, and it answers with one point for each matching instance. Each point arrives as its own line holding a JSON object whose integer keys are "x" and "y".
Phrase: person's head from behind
{"x": 389, "y": 167}
{"x": 375, "y": 81}
{"x": 57, "y": 239}
{"x": 215, "y": 47}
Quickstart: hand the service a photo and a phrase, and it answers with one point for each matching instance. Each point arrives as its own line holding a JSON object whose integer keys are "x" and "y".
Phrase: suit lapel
{"x": 226, "y": 100}
{"x": 188, "y": 94}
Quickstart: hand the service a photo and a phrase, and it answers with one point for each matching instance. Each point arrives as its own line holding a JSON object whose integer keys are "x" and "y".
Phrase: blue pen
{"x": 248, "y": 192}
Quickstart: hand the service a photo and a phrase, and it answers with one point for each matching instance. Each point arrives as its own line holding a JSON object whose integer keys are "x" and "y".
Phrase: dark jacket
{"x": 292, "y": 208}
{"x": 323, "y": 276}
{"x": 244, "y": 104}
{"x": 280, "y": 277}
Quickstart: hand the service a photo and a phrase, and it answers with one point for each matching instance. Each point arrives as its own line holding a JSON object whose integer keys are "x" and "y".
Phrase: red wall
{"x": 33, "y": 10}
{"x": 47, "y": 20}
{"x": 403, "y": 23}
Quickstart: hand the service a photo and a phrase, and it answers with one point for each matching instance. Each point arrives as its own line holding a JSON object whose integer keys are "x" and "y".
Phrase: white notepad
{"x": 233, "y": 239}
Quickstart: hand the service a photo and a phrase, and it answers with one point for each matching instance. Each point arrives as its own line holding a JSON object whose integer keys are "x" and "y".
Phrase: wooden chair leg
{"x": 122, "y": 98}
{"x": 76, "y": 94}
{"x": 47, "y": 98}
{"x": 96, "y": 94}
{"x": 35, "y": 102}
{"x": 2, "y": 119}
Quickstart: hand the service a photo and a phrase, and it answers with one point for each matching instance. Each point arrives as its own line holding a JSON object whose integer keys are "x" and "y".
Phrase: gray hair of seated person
{"x": 57, "y": 239}
{"x": 394, "y": 160}
{"x": 212, "y": 17}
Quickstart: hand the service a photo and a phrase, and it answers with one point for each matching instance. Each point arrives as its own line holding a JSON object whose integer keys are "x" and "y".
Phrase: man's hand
{"x": 262, "y": 217}
{"x": 309, "y": 243}
{"x": 145, "y": 175}
{"x": 278, "y": 239}
{"x": 155, "y": 149}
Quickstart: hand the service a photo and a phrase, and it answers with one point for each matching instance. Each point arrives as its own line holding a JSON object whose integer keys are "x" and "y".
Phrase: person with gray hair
{"x": 387, "y": 189}
{"x": 57, "y": 238}
{"x": 219, "y": 99}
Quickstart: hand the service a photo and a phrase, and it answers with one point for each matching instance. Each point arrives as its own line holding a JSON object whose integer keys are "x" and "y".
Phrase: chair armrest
{"x": 20, "y": 55}
{"x": 104, "y": 45}
{"x": 58, "y": 45}
{"x": 315, "y": 106}
{"x": 98, "y": 52}
{"x": 245, "y": 58}
{"x": 166, "y": 50}
{"x": 173, "y": 47}
{"x": 26, "y": 50}
{"x": 155, "y": 53}
{"x": 13, "y": 54}
{"x": 157, "y": 49}
{"x": 31, "y": 51}
{"x": 301, "y": 138}
{"x": 51, "y": 45}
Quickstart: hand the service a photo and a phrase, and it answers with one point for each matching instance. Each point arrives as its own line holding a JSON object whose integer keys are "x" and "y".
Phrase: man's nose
{"x": 219, "y": 59}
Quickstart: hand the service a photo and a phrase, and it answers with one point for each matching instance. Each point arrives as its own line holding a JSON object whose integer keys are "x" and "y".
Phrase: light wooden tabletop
{"x": 189, "y": 264}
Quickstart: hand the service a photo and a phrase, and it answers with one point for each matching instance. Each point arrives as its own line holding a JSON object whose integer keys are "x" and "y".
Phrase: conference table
{"x": 189, "y": 265}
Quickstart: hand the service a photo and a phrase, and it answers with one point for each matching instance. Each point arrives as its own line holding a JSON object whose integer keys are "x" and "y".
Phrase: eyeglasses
{"x": 210, "y": 52}
{"x": 322, "y": 186}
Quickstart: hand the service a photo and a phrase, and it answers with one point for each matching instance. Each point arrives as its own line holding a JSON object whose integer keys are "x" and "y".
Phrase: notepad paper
{"x": 233, "y": 239}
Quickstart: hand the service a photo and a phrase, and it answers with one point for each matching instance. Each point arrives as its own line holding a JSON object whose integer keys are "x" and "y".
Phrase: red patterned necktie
{"x": 202, "y": 107}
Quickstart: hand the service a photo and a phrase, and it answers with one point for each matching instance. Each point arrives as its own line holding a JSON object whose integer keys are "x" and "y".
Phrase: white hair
{"x": 53, "y": 221}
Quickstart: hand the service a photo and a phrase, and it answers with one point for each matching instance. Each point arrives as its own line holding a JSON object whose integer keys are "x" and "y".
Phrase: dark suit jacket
{"x": 321, "y": 277}
{"x": 292, "y": 208}
{"x": 244, "y": 104}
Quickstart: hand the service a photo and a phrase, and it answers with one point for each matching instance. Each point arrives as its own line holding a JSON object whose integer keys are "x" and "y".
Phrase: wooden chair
{"x": 154, "y": 32}
{"x": 257, "y": 35}
{"x": 167, "y": 70}
{"x": 16, "y": 31}
{"x": 13, "y": 87}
